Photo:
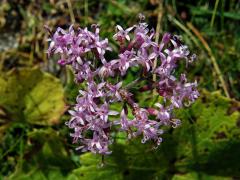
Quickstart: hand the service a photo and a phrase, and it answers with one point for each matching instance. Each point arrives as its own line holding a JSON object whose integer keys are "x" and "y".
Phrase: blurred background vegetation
{"x": 35, "y": 92}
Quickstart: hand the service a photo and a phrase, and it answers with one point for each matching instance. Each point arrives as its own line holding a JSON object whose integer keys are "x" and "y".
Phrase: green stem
{"x": 214, "y": 13}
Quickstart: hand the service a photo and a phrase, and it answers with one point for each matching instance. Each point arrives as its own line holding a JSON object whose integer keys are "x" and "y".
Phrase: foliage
{"x": 34, "y": 141}
{"x": 197, "y": 150}
{"x": 31, "y": 95}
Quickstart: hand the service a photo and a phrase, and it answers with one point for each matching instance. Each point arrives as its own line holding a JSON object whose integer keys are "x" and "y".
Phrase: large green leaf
{"x": 210, "y": 138}
{"x": 31, "y": 95}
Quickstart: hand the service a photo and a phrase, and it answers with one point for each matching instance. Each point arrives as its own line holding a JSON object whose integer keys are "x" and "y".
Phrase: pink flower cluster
{"x": 90, "y": 119}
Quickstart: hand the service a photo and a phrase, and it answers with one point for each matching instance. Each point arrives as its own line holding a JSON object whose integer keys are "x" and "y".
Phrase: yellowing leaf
{"x": 32, "y": 95}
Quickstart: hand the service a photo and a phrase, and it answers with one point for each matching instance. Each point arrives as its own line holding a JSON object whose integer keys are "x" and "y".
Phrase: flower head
{"x": 93, "y": 116}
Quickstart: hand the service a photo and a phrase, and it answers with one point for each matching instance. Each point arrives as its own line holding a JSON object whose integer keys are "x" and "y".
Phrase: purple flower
{"x": 125, "y": 61}
{"x": 83, "y": 72}
{"x": 113, "y": 92}
{"x": 148, "y": 128}
{"x": 104, "y": 111}
{"x": 122, "y": 34}
{"x": 144, "y": 59}
{"x": 124, "y": 122}
{"x": 107, "y": 69}
{"x": 60, "y": 40}
{"x": 163, "y": 114}
{"x": 92, "y": 117}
